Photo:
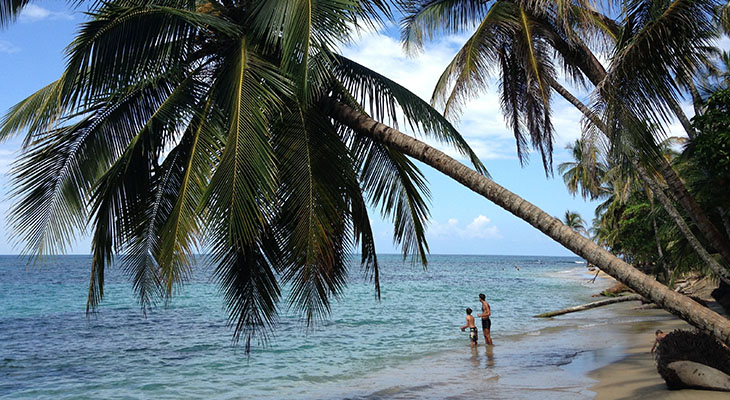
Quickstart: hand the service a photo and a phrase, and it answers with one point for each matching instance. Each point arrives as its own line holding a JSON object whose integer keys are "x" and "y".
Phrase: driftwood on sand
{"x": 631, "y": 297}
{"x": 615, "y": 290}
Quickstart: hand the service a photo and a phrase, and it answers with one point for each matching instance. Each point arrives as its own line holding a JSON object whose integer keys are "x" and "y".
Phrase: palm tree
{"x": 10, "y": 9}
{"x": 574, "y": 221}
{"x": 585, "y": 172}
{"x": 678, "y": 304}
{"x": 524, "y": 41}
{"x": 236, "y": 127}
{"x": 179, "y": 125}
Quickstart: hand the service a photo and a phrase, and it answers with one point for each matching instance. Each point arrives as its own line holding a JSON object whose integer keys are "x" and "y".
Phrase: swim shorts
{"x": 473, "y": 334}
{"x": 486, "y": 323}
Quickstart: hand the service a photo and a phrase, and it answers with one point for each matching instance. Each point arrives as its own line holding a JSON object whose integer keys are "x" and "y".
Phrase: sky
{"x": 462, "y": 222}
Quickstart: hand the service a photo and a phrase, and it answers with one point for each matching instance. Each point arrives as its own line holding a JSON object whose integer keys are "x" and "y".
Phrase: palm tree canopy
{"x": 574, "y": 221}
{"x": 586, "y": 172}
{"x": 526, "y": 43}
{"x": 180, "y": 125}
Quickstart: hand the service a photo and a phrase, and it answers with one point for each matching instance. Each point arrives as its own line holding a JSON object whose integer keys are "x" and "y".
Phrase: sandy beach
{"x": 635, "y": 375}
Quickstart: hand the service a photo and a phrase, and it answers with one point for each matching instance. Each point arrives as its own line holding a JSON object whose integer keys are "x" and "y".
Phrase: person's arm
{"x": 463, "y": 328}
{"x": 656, "y": 341}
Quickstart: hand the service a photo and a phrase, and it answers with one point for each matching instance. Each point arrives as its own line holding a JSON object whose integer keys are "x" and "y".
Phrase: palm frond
{"x": 126, "y": 190}
{"x": 642, "y": 73}
{"x": 125, "y": 43}
{"x": 384, "y": 97}
{"x": 140, "y": 261}
{"x": 238, "y": 201}
{"x": 394, "y": 184}
{"x": 199, "y": 149}
{"x": 424, "y": 19}
{"x": 249, "y": 93}
{"x": 300, "y": 29}
{"x": 54, "y": 177}
{"x": 315, "y": 173}
{"x": 363, "y": 235}
{"x": 468, "y": 73}
{"x": 36, "y": 113}
{"x": 250, "y": 289}
{"x": 9, "y": 10}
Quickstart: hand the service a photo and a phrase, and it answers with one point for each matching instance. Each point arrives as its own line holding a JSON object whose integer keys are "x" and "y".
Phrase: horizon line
{"x": 352, "y": 254}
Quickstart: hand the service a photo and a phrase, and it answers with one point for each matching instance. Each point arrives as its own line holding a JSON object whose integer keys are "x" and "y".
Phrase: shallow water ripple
{"x": 406, "y": 346}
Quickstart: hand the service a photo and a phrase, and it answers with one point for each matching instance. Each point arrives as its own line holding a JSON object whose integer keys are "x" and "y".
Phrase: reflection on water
{"x": 489, "y": 351}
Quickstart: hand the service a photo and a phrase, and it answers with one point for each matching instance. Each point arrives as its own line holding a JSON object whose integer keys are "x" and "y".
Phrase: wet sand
{"x": 635, "y": 376}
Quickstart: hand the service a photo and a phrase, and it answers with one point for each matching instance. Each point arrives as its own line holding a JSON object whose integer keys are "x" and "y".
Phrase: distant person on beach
{"x": 484, "y": 315}
{"x": 473, "y": 334}
{"x": 659, "y": 336}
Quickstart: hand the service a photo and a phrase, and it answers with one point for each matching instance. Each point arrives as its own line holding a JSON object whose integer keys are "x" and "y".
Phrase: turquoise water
{"x": 408, "y": 345}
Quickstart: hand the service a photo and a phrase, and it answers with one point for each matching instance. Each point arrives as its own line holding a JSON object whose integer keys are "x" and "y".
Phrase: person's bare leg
{"x": 488, "y": 337}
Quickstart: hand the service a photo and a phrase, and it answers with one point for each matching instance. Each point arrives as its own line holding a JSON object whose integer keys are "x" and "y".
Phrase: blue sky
{"x": 31, "y": 56}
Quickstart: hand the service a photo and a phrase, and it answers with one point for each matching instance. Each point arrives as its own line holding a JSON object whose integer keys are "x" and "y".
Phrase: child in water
{"x": 473, "y": 335}
{"x": 659, "y": 335}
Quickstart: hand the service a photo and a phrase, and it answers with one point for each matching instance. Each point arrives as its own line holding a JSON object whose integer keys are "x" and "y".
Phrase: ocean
{"x": 407, "y": 345}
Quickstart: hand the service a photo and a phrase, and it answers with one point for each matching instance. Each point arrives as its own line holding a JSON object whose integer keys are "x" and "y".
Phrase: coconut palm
{"x": 585, "y": 173}
{"x": 180, "y": 125}
{"x": 235, "y": 126}
{"x": 524, "y": 41}
{"x": 680, "y": 305}
{"x": 574, "y": 221}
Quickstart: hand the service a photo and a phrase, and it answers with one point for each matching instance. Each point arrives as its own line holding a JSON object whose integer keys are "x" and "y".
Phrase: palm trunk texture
{"x": 649, "y": 181}
{"x": 678, "y": 304}
{"x": 715, "y": 266}
{"x": 587, "y": 62}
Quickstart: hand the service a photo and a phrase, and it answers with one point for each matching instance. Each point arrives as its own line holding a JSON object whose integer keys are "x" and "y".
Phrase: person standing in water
{"x": 473, "y": 335}
{"x": 486, "y": 321}
{"x": 659, "y": 336}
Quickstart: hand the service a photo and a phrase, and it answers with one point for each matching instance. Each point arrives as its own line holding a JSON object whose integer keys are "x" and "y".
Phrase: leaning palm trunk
{"x": 659, "y": 250}
{"x": 666, "y": 202}
{"x": 592, "y": 68}
{"x": 678, "y": 304}
{"x": 715, "y": 266}
{"x": 703, "y": 223}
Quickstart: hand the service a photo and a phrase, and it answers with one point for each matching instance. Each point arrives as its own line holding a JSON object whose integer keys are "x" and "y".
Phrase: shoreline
{"x": 634, "y": 375}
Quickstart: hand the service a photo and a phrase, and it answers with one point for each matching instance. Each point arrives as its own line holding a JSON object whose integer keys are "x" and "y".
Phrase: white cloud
{"x": 33, "y": 13}
{"x": 478, "y": 228}
{"x": 481, "y": 123}
{"x": 8, "y": 48}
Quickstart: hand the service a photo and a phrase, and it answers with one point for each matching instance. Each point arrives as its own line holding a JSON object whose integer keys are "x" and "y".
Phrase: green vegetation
{"x": 657, "y": 52}
{"x": 631, "y": 225}
{"x": 182, "y": 126}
